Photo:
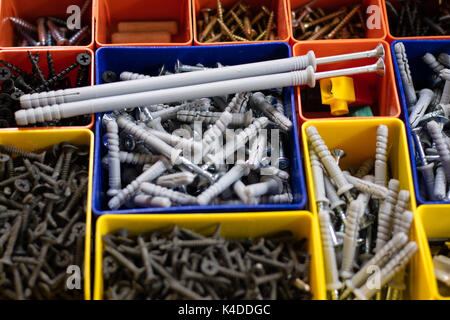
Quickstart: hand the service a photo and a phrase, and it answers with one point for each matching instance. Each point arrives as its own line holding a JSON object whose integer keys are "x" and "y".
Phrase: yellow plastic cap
{"x": 338, "y": 93}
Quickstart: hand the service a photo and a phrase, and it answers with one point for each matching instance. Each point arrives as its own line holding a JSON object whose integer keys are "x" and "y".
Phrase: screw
{"x": 59, "y": 38}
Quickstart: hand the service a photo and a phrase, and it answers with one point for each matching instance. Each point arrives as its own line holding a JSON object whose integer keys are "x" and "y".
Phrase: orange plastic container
{"x": 333, "y": 5}
{"x": 31, "y": 10}
{"x": 278, "y": 6}
{"x": 430, "y": 7}
{"x": 108, "y": 13}
{"x": 62, "y": 58}
{"x": 383, "y": 89}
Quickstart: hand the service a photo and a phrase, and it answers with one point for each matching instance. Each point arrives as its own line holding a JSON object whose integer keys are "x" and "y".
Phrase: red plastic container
{"x": 387, "y": 103}
{"x": 278, "y": 6}
{"x": 431, "y": 8}
{"x": 333, "y": 5}
{"x": 31, "y": 10}
{"x": 108, "y": 13}
{"x": 62, "y": 58}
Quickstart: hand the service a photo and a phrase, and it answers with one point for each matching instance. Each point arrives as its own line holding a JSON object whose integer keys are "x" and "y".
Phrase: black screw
{"x": 109, "y": 76}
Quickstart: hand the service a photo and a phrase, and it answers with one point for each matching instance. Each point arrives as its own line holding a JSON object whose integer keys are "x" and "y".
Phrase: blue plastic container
{"x": 148, "y": 60}
{"x": 421, "y": 74}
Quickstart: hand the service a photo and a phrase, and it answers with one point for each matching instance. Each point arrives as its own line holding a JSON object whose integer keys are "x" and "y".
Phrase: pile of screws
{"x": 51, "y": 31}
{"x": 440, "y": 250}
{"x": 317, "y": 24}
{"x": 429, "y": 113}
{"x": 168, "y": 143}
{"x": 372, "y": 207}
{"x": 183, "y": 264}
{"x": 410, "y": 19}
{"x": 42, "y": 219}
{"x": 239, "y": 23}
{"x": 17, "y": 82}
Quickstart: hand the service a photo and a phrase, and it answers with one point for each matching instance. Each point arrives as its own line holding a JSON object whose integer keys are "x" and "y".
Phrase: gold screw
{"x": 343, "y": 22}
{"x": 269, "y": 26}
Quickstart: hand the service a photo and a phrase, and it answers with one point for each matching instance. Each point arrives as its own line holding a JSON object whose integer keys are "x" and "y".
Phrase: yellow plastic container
{"x": 436, "y": 224}
{"x": 31, "y": 140}
{"x": 233, "y": 226}
{"x": 357, "y": 138}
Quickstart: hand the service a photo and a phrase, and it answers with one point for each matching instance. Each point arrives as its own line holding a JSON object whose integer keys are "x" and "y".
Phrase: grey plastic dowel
{"x": 444, "y": 59}
{"x": 237, "y": 119}
{"x": 418, "y": 110}
{"x": 400, "y": 207}
{"x": 431, "y": 61}
{"x": 328, "y": 161}
{"x": 336, "y": 203}
{"x": 380, "y": 259}
{"x": 234, "y": 174}
{"x": 405, "y": 73}
{"x": 427, "y": 172}
{"x": 126, "y": 76}
{"x": 441, "y": 146}
{"x": 175, "y": 196}
{"x": 440, "y": 184}
{"x": 381, "y": 156}
{"x": 174, "y": 94}
{"x": 239, "y": 189}
{"x": 175, "y": 179}
{"x": 213, "y": 134}
{"x": 384, "y": 230}
{"x": 144, "y": 201}
{"x": 170, "y": 81}
{"x": 366, "y": 186}
{"x": 331, "y": 271}
{"x": 351, "y": 235}
{"x": 258, "y": 101}
{"x": 274, "y": 171}
{"x": 368, "y": 290}
{"x": 114, "y": 179}
{"x": 278, "y": 198}
{"x": 318, "y": 180}
{"x": 133, "y": 158}
{"x": 445, "y": 98}
{"x": 239, "y": 141}
{"x": 256, "y": 151}
{"x": 268, "y": 185}
{"x": 176, "y": 141}
{"x": 152, "y": 173}
{"x": 402, "y": 223}
{"x": 365, "y": 168}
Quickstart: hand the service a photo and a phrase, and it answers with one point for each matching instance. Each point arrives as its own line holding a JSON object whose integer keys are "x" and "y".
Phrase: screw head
{"x": 5, "y": 74}
{"x": 84, "y": 59}
{"x": 109, "y": 76}
{"x": 16, "y": 95}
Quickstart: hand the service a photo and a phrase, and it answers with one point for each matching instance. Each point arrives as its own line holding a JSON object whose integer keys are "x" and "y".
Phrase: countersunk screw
{"x": 60, "y": 40}
{"x": 30, "y": 155}
{"x": 109, "y": 76}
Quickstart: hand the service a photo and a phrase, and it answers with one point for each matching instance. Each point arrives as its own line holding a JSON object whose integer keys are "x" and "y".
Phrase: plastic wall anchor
{"x": 431, "y": 61}
{"x": 445, "y": 97}
{"x": 239, "y": 189}
{"x": 405, "y": 73}
{"x": 331, "y": 194}
{"x": 234, "y": 174}
{"x": 274, "y": 171}
{"x": 237, "y": 119}
{"x": 351, "y": 235}
{"x": 212, "y": 89}
{"x": 238, "y": 142}
{"x": 380, "y": 259}
{"x": 168, "y": 113}
{"x": 381, "y": 156}
{"x": 175, "y": 196}
{"x": 331, "y": 270}
{"x": 441, "y": 146}
{"x": 384, "y": 230}
{"x": 177, "y": 141}
{"x": 365, "y": 168}
{"x": 427, "y": 172}
{"x": 175, "y": 179}
{"x": 278, "y": 198}
{"x": 318, "y": 179}
{"x": 126, "y": 76}
{"x": 114, "y": 179}
{"x": 367, "y": 291}
{"x": 328, "y": 161}
{"x": 444, "y": 59}
{"x": 137, "y": 158}
{"x": 401, "y": 206}
{"x": 156, "y": 125}
{"x": 418, "y": 110}
{"x": 257, "y": 150}
{"x": 367, "y": 187}
{"x": 441, "y": 265}
{"x": 238, "y": 103}
{"x": 402, "y": 223}
{"x": 146, "y": 201}
{"x": 213, "y": 134}
{"x": 258, "y": 101}
{"x": 268, "y": 185}
{"x": 152, "y": 173}
{"x": 440, "y": 184}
